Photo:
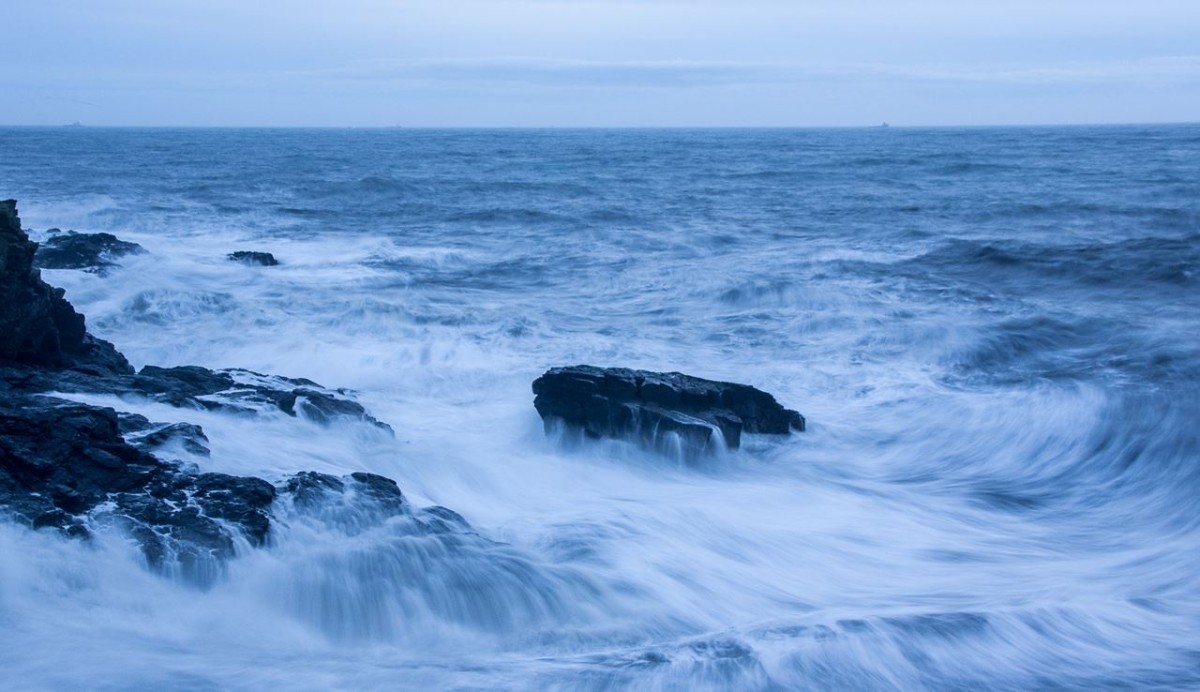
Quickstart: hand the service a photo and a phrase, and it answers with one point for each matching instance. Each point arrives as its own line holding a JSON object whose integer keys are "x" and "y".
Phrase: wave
{"x": 992, "y": 342}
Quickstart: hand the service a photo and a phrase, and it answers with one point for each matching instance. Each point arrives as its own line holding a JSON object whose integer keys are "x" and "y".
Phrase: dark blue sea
{"x": 993, "y": 333}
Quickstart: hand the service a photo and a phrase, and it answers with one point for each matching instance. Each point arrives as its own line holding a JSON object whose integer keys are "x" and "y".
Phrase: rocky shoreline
{"x": 73, "y": 467}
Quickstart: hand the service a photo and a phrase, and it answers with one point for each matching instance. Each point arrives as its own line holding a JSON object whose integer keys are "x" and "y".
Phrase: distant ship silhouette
{"x": 74, "y": 124}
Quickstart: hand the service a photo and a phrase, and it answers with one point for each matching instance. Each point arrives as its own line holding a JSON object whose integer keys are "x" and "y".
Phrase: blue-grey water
{"x": 994, "y": 334}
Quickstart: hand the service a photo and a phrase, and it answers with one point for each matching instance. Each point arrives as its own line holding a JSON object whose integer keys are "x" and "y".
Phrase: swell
{"x": 991, "y": 330}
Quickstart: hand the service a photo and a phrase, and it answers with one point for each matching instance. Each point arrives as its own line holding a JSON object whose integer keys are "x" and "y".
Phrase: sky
{"x": 570, "y": 63}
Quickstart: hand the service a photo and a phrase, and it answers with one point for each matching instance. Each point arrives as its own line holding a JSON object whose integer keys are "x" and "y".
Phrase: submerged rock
{"x": 94, "y": 252}
{"x": 265, "y": 259}
{"x": 658, "y": 408}
{"x": 362, "y": 500}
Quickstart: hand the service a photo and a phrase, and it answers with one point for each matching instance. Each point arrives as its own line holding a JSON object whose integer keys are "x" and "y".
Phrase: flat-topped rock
{"x": 659, "y": 409}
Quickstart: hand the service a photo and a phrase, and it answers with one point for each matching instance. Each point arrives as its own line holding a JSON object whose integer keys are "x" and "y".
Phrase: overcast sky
{"x": 598, "y": 62}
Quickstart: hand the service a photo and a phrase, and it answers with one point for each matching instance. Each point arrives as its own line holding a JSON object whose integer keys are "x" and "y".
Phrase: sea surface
{"x": 993, "y": 333}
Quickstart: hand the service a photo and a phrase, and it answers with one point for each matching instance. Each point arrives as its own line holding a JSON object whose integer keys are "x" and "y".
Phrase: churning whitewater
{"x": 990, "y": 332}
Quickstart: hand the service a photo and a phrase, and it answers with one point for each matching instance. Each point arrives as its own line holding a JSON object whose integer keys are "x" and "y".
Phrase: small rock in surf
{"x": 265, "y": 259}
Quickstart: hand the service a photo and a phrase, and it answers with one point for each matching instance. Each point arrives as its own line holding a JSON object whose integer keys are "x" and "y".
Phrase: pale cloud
{"x": 665, "y": 74}
{"x": 614, "y": 62}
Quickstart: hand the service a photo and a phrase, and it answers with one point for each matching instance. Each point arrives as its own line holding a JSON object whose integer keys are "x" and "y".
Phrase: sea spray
{"x": 991, "y": 342}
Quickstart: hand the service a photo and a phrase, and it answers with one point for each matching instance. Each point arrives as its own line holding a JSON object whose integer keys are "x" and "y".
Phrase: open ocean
{"x": 993, "y": 333}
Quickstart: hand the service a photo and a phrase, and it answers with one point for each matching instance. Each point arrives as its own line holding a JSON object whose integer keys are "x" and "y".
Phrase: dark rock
{"x": 379, "y": 490}
{"x": 438, "y": 519}
{"x": 37, "y": 325}
{"x": 265, "y": 259}
{"x": 659, "y": 408}
{"x": 190, "y": 437}
{"x": 68, "y": 466}
{"x": 243, "y": 501}
{"x": 94, "y": 252}
{"x": 191, "y": 386}
{"x": 60, "y": 461}
{"x": 308, "y": 488}
{"x": 180, "y": 386}
{"x": 71, "y": 454}
{"x": 362, "y": 501}
{"x": 196, "y": 387}
{"x": 321, "y": 406}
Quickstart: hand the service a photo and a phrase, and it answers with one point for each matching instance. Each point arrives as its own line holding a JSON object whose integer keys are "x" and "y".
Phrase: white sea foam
{"x": 936, "y": 526}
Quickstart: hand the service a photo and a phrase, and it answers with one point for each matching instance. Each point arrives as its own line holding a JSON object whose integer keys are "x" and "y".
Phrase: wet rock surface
{"x": 37, "y": 324}
{"x": 94, "y": 252}
{"x": 659, "y": 409}
{"x": 190, "y": 386}
{"x": 76, "y": 467}
{"x": 62, "y": 461}
{"x": 140, "y": 432}
{"x": 264, "y": 259}
{"x": 361, "y": 501}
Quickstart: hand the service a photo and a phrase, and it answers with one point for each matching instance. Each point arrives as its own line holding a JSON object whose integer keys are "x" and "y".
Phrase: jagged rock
{"x": 308, "y": 488}
{"x": 658, "y": 409}
{"x": 240, "y": 500}
{"x": 94, "y": 252}
{"x": 191, "y": 386}
{"x": 362, "y": 500}
{"x": 265, "y": 259}
{"x": 243, "y": 391}
{"x": 369, "y": 490}
{"x": 37, "y": 325}
{"x": 61, "y": 460}
{"x": 179, "y": 386}
{"x": 71, "y": 454}
{"x": 72, "y": 466}
{"x": 141, "y": 433}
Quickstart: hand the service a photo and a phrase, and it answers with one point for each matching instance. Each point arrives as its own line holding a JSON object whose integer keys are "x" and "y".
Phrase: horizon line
{"x": 877, "y": 126}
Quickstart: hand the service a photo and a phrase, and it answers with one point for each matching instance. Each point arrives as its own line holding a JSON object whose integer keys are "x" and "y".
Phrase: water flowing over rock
{"x": 655, "y": 407}
{"x": 94, "y": 252}
{"x": 60, "y": 461}
{"x": 77, "y": 467}
{"x": 265, "y": 259}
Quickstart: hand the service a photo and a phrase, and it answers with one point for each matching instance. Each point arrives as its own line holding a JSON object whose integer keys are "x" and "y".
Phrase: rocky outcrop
{"x": 663, "y": 411}
{"x": 37, "y": 325}
{"x": 264, "y": 259}
{"x": 74, "y": 468}
{"x": 140, "y": 432}
{"x": 243, "y": 391}
{"x": 60, "y": 461}
{"x": 190, "y": 386}
{"x": 94, "y": 252}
